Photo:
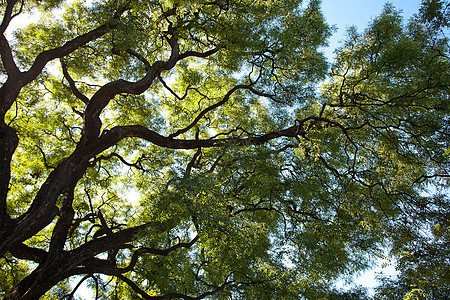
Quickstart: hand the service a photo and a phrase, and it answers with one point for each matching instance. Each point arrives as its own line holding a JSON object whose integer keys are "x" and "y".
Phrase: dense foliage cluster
{"x": 205, "y": 149}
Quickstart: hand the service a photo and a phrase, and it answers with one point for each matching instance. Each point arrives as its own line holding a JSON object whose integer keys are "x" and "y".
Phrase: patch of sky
{"x": 346, "y": 13}
{"x": 342, "y": 15}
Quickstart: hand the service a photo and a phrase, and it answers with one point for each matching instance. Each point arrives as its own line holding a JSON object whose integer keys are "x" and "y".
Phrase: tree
{"x": 423, "y": 263}
{"x": 252, "y": 182}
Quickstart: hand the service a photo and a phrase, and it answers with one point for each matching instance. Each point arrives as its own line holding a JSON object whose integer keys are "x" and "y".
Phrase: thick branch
{"x": 63, "y": 225}
{"x": 8, "y": 143}
{"x": 104, "y": 95}
{"x": 8, "y": 16}
{"x": 44, "y": 57}
{"x": 92, "y": 122}
{"x": 23, "y": 251}
{"x": 118, "y": 133}
{"x": 10, "y": 90}
{"x": 7, "y": 57}
{"x": 111, "y": 241}
{"x": 43, "y": 209}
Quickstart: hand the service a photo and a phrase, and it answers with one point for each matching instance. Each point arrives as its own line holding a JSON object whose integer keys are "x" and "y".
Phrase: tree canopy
{"x": 206, "y": 150}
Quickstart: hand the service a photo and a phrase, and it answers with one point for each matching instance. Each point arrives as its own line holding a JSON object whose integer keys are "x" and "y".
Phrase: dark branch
{"x": 139, "y": 252}
{"x": 71, "y": 82}
{"x": 208, "y": 109}
{"x": 141, "y": 58}
{"x": 8, "y": 14}
{"x": 63, "y": 225}
{"x": 7, "y": 58}
{"x": 171, "y": 91}
{"x": 267, "y": 95}
{"x": 113, "y": 241}
{"x": 118, "y": 133}
{"x": 200, "y": 54}
{"x": 192, "y": 162}
{"x": 70, "y": 296}
{"x": 23, "y": 251}
{"x": 44, "y": 57}
{"x": 142, "y": 293}
{"x": 136, "y": 165}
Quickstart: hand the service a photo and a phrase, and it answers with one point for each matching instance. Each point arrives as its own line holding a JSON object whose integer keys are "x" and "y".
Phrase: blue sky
{"x": 344, "y": 13}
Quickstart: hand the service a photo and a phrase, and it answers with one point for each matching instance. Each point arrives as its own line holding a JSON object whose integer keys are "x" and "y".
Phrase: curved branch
{"x": 85, "y": 254}
{"x": 174, "y": 54}
{"x": 172, "y": 91}
{"x": 154, "y": 251}
{"x": 200, "y": 54}
{"x": 72, "y": 85}
{"x": 116, "y": 240}
{"x": 192, "y": 162}
{"x": 424, "y": 177}
{"x": 46, "y": 56}
{"x": 118, "y": 133}
{"x": 104, "y": 95}
{"x": 141, "y": 292}
{"x": 8, "y": 16}
{"x": 266, "y": 95}
{"x": 208, "y": 109}
{"x": 17, "y": 80}
{"x": 72, "y": 293}
{"x": 92, "y": 122}
{"x": 140, "y": 58}
{"x": 136, "y": 165}
{"x": 44, "y": 158}
{"x": 220, "y": 103}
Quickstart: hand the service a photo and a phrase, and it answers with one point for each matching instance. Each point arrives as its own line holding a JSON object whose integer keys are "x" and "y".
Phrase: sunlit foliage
{"x": 206, "y": 149}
